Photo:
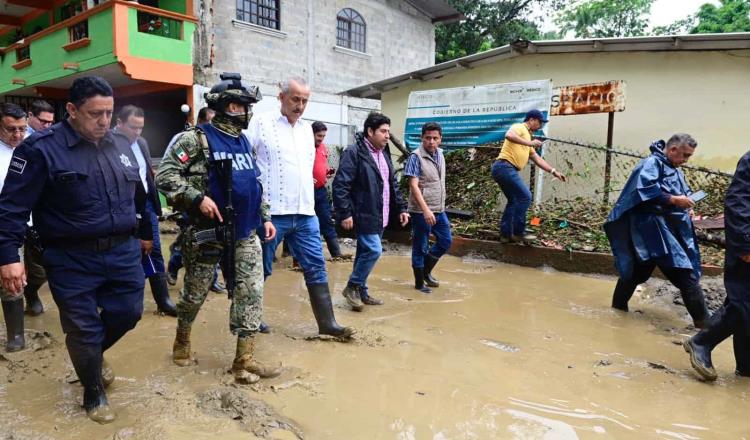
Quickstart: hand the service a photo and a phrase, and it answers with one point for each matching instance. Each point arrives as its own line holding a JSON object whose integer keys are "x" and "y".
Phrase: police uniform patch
{"x": 181, "y": 154}
{"x": 17, "y": 165}
{"x": 125, "y": 160}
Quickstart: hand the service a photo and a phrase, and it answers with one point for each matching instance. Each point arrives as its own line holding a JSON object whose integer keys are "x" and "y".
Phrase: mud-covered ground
{"x": 498, "y": 351}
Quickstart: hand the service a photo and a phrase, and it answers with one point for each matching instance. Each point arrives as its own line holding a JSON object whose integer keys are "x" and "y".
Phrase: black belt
{"x": 100, "y": 244}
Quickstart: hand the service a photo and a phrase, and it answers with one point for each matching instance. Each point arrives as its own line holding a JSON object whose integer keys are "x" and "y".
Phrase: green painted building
{"x": 144, "y": 49}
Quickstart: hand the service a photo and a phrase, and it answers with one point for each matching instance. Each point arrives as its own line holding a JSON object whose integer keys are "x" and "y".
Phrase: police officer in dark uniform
{"x": 81, "y": 183}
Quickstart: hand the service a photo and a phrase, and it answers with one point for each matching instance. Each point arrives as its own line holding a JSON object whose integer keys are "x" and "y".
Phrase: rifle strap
{"x": 204, "y": 144}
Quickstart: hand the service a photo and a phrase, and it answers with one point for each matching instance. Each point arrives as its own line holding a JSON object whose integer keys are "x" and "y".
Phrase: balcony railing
{"x": 159, "y": 25}
{"x": 137, "y": 36}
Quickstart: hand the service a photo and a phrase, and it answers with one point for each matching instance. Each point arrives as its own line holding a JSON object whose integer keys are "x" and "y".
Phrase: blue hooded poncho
{"x": 641, "y": 230}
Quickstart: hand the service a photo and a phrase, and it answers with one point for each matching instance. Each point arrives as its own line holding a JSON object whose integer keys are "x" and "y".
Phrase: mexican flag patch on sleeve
{"x": 181, "y": 154}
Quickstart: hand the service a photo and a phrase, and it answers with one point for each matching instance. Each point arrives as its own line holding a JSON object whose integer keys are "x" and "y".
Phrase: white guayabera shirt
{"x": 285, "y": 155}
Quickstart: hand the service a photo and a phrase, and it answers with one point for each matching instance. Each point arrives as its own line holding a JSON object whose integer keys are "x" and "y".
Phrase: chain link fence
{"x": 585, "y": 166}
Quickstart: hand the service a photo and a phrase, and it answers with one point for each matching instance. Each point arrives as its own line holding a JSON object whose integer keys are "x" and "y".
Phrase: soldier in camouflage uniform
{"x": 189, "y": 181}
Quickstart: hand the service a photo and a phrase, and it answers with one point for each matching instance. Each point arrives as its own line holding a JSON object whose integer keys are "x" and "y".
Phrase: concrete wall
{"x": 704, "y": 93}
{"x": 399, "y": 39}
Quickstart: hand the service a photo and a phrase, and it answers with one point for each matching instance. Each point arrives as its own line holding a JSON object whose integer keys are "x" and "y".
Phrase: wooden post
{"x": 608, "y": 160}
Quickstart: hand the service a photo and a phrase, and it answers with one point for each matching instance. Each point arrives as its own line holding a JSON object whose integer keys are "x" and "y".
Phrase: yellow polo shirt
{"x": 517, "y": 154}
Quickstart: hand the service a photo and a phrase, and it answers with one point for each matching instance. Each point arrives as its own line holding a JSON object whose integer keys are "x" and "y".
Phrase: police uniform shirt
{"x": 76, "y": 190}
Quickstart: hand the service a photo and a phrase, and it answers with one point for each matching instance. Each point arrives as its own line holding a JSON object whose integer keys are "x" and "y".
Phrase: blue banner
{"x": 472, "y": 116}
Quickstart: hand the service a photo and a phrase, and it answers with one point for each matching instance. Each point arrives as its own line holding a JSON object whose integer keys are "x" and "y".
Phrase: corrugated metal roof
{"x": 438, "y": 10}
{"x": 730, "y": 41}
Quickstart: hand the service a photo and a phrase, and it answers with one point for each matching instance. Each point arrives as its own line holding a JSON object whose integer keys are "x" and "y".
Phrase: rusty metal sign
{"x": 581, "y": 99}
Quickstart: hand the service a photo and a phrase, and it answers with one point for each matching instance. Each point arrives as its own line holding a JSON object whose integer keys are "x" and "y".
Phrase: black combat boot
{"x": 34, "y": 306}
{"x": 320, "y": 300}
{"x": 720, "y": 326}
{"x": 429, "y": 263}
{"x": 160, "y": 290}
{"x": 13, "y": 311}
{"x": 87, "y": 361}
{"x": 419, "y": 280}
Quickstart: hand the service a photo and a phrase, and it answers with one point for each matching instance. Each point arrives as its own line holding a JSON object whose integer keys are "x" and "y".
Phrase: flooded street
{"x": 498, "y": 351}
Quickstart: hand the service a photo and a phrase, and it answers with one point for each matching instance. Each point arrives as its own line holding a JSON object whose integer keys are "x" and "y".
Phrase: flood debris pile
{"x": 572, "y": 224}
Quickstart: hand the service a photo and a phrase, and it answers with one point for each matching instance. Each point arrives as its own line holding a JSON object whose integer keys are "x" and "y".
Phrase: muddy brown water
{"x": 497, "y": 352}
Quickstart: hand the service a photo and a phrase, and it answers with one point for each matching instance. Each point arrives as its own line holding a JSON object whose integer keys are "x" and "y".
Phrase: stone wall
{"x": 399, "y": 39}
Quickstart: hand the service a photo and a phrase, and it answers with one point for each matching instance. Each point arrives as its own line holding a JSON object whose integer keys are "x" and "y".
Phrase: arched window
{"x": 351, "y": 30}
{"x": 261, "y": 12}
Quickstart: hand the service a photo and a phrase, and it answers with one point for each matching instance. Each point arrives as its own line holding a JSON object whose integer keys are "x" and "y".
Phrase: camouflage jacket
{"x": 182, "y": 177}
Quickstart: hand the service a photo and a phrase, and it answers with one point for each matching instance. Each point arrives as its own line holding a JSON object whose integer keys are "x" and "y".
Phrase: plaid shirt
{"x": 377, "y": 156}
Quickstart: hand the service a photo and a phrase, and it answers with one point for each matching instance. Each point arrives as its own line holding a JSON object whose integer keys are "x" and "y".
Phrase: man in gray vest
{"x": 426, "y": 172}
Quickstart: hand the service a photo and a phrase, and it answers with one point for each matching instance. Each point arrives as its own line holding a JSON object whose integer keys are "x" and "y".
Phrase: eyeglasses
{"x": 44, "y": 123}
{"x": 11, "y": 130}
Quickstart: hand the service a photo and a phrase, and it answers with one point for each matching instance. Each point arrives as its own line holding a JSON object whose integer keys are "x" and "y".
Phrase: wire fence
{"x": 589, "y": 179}
{"x": 585, "y": 165}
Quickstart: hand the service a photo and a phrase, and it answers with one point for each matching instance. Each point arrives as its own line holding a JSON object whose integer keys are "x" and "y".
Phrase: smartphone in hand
{"x": 697, "y": 196}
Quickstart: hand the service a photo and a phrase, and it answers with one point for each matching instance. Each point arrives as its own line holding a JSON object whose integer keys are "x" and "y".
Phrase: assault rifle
{"x": 225, "y": 231}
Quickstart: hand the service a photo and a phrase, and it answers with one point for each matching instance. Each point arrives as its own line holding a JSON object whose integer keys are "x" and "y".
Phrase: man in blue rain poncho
{"x": 650, "y": 226}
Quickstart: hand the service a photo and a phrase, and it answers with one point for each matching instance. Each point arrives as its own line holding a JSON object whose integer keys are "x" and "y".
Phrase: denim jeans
{"x": 303, "y": 235}
{"x": 369, "y": 249}
{"x": 421, "y": 237}
{"x": 323, "y": 211}
{"x": 513, "y": 221}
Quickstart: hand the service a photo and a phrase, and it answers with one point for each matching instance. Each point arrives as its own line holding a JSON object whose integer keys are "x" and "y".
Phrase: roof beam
{"x": 10, "y": 20}
{"x": 37, "y": 4}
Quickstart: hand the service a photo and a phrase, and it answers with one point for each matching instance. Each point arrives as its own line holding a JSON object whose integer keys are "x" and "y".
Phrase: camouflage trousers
{"x": 31, "y": 257}
{"x": 200, "y": 261}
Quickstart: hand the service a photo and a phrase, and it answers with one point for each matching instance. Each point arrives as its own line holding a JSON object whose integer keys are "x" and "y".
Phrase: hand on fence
{"x": 559, "y": 176}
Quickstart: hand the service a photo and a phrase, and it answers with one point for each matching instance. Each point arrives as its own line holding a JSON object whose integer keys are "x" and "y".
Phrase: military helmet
{"x": 231, "y": 89}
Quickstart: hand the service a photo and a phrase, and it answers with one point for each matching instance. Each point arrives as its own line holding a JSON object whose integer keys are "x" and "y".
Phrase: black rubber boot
{"x": 419, "y": 280}
{"x": 719, "y": 327}
{"x": 87, "y": 361}
{"x": 160, "y": 290}
{"x": 429, "y": 263}
{"x": 13, "y": 311}
{"x": 34, "y": 306}
{"x": 741, "y": 343}
{"x": 320, "y": 300}
{"x": 333, "y": 247}
{"x": 623, "y": 292}
{"x": 695, "y": 303}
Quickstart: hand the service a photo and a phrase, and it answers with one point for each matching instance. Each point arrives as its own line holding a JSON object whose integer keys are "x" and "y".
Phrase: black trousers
{"x": 683, "y": 279}
{"x": 732, "y": 318}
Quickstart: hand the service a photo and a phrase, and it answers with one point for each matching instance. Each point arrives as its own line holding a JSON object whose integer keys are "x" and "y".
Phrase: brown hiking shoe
{"x": 244, "y": 362}
{"x": 181, "y": 347}
{"x": 351, "y": 293}
{"x": 372, "y": 301}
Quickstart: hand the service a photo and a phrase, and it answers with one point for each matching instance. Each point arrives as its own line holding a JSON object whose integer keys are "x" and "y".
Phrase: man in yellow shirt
{"x": 517, "y": 149}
